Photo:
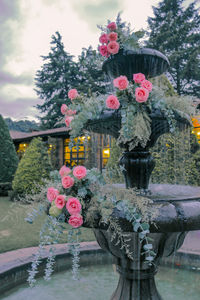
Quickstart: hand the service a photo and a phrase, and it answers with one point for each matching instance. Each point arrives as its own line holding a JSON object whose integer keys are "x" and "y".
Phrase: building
{"x": 91, "y": 151}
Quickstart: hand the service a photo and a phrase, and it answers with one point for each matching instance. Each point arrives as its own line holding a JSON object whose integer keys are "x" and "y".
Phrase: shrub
{"x": 4, "y": 188}
{"x": 33, "y": 168}
{"x": 8, "y": 155}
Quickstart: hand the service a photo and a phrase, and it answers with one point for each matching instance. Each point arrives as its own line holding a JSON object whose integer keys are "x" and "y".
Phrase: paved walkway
{"x": 17, "y": 257}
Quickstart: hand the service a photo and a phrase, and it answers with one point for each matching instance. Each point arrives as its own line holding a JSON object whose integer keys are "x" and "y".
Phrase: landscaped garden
{"x": 142, "y": 200}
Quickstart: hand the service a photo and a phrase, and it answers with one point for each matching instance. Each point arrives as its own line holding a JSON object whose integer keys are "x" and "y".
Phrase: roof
{"x": 22, "y": 136}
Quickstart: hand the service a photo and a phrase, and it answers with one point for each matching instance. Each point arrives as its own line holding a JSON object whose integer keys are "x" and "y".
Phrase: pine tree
{"x": 33, "y": 168}
{"x": 57, "y": 75}
{"x": 175, "y": 31}
{"x": 91, "y": 78}
{"x": 8, "y": 155}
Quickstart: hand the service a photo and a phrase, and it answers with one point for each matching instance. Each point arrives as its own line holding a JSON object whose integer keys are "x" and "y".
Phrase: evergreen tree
{"x": 8, "y": 155}
{"x": 57, "y": 75}
{"x": 91, "y": 79}
{"x": 33, "y": 168}
{"x": 175, "y": 31}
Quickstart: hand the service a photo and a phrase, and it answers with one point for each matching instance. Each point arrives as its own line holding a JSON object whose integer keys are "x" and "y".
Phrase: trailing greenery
{"x": 51, "y": 230}
{"x": 8, "y": 156}
{"x": 176, "y": 160}
{"x": 175, "y": 30}
{"x": 134, "y": 208}
{"x": 33, "y": 168}
{"x": 113, "y": 173}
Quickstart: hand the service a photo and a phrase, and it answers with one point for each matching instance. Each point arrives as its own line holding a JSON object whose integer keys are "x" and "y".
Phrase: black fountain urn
{"x": 177, "y": 215}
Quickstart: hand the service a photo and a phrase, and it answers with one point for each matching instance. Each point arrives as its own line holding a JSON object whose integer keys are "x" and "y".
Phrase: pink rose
{"x": 67, "y": 182}
{"x": 68, "y": 120}
{"x": 112, "y": 102}
{"x": 64, "y": 109}
{"x": 70, "y": 112}
{"x": 121, "y": 82}
{"x": 103, "y": 38}
{"x": 113, "y": 47}
{"x": 73, "y": 206}
{"x": 103, "y": 50}
{"x": 141, "y": 94}
{"x": 60, "y": 201}
{"x": 139, "y": 77}
{"x": 64, "y": 171}
{"x": 75, "y": 220}
{"x": 112, "y": 36}
{"x": 147, "y": 85}
{"x": 79, "y": 172}
{"x": 52, "y": 194}
{"x": 112, "y": 26}
{"x": 72, "y": 94}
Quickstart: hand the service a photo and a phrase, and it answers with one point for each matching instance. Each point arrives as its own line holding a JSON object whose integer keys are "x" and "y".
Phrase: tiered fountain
{"x": 177, "y": 214}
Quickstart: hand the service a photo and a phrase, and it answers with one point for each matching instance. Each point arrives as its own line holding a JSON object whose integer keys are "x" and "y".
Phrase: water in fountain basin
{"x": 98, "y": 282}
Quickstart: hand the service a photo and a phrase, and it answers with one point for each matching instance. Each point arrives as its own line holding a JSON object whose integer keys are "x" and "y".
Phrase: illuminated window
{"x": 51, "y": 148}
{"x": 196, "y": 129}
{"x": 21, "y": 149}
{"x": 105, "y": 155}
{"x": 74, "y": 156}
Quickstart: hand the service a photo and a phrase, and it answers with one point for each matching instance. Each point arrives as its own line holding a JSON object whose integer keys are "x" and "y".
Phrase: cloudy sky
{"x": 26, "y": 27}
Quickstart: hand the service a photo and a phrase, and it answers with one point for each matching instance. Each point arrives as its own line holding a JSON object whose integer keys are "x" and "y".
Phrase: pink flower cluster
{"x": 72, "y": 94}
{"x": 109, "y": 41}
{"x": 142, "y": 92}
{"x": 68, "y": 113}
{"x": 72, "y": 204}
{"x": 74, "y": 208}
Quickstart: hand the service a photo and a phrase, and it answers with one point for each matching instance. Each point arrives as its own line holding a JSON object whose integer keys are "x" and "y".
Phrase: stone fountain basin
{"x": 178, "y": 209}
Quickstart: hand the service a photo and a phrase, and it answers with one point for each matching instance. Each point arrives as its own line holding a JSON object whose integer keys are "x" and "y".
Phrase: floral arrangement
{"x": 117, "y": 35}
{"x": 134, "y": 101}
{"x": 82, "y": 198}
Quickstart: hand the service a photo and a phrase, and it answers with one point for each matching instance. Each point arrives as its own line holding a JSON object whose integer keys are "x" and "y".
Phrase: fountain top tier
{"x": 128, "y": 62}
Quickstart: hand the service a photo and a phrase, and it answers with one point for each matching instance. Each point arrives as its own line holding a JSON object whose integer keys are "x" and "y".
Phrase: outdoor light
{"x": 106, "y": 151}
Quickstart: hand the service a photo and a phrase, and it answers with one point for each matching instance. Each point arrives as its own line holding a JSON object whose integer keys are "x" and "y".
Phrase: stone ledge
{"x": 16, "y": 258}
{"x": 14, "y": 265}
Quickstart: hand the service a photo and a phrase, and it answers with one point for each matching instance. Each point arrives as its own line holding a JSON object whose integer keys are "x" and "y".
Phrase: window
{"x": 74, "y": 156}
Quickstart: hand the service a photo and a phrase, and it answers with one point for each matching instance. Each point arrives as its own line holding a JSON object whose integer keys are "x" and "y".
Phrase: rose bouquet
{"x": 78, "y": 187}
{"x": 117, "y": 35}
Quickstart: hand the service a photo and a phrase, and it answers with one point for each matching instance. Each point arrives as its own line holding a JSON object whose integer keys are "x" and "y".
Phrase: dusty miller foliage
{"x": 135, "y": 208}
{"x": 51, "y": 230}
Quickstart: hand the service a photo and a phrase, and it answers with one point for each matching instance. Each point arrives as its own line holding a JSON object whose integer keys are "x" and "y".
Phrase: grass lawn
{"x": 16, "y": 233}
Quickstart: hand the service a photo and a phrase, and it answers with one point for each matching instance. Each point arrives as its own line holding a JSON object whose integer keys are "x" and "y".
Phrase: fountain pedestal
{"x": 136, "y": 281}
{"x": 137, "y": 168}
